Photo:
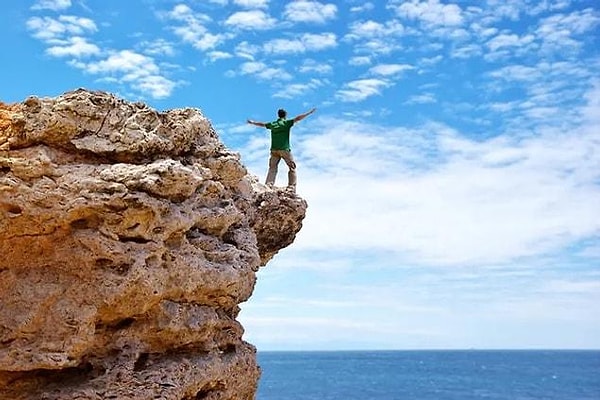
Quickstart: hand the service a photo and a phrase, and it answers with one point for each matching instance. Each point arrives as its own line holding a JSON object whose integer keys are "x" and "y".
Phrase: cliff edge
{"x": 128, "y": 237}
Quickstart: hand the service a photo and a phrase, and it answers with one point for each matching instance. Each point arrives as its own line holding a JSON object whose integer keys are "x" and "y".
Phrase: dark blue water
{"x": 430, "y": 375}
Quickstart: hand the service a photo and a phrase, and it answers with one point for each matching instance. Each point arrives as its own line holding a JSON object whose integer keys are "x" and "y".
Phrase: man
{"x": 280, "y": 145}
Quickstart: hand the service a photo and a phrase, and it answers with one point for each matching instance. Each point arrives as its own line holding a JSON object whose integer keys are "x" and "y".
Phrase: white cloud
{"x": 252, "y": 3}
{"x": 193, "y": 29}
{"x": 517, "y": 73}
{"x": 423, "y": 98}
{"x": 591, "y": 111}
{"x": 466, "y": 51}
{"x": 371, "y": 29}
{"x": 360, "y": 60}
{"x": 74, "y": 47}
{"x": 309, "y": 11}
{"x": 250, "y": 20}
{"x": 509, "y": 40}
{"x": 510, "y": 9}
{"x": 263, "y": 72}
{"x": 283, "y": 46}
{"x": 377, "y": 46}
{"x": 252, "y": 67}
{"x": 493, "y": 201}
{"x": 549, "y": 5}
{"x": 306, "y": 42}
{"x": 389, "y": 69}
{"x": 368, "y": 6}
{"x": 429, "y": 12}
{"x": 429, "y": 61}
{"x": 218, "y": 55}
{"x": 156, "y": 86}
{"x": 558, "y": 32}
{"x": 55, "y": 5}
{"x": 158, "y": 47}
{"x": 246, "y": 50}
{"x": 319, "y": 41}
{"x": 49, "y": 29}
{"x": 124, "y": 61}
{"x": 513, "y": 9}
{"x": 137, "y": 70}
{"x": 361, "y": 89}
{"x": 547, "y": 88}
{"x": 295, "y": 90}
{"x": 312, "y": 66}
{"x": 209, "y": 41}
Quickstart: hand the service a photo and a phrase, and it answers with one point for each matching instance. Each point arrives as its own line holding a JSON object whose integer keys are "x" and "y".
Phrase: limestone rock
{"x": 128, "y": 238}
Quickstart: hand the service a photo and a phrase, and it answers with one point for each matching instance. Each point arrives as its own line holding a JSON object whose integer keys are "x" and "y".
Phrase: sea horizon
{"x": 451, "y": 374}
{"x": 423, "y": 349}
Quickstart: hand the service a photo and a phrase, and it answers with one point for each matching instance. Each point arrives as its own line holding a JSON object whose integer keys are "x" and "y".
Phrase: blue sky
{"x": 452, "y": 169}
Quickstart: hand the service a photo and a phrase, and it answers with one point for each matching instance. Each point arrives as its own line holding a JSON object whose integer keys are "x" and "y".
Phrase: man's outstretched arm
{"x": 256, "y": 123}
{"x": 306, "y": 114}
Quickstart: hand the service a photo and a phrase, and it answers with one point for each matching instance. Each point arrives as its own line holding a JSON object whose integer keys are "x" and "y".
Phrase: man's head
{"x": 281, "y": 113}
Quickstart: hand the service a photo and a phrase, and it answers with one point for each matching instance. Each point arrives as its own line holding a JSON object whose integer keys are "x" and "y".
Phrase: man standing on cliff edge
{"x": 280, "y": 145}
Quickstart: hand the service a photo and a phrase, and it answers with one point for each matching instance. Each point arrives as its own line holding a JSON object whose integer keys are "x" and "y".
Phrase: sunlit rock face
{"x": 128, "y": 237}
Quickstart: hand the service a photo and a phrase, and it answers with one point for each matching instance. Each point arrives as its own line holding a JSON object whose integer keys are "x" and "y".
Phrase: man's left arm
{"x": 302, "y": 116}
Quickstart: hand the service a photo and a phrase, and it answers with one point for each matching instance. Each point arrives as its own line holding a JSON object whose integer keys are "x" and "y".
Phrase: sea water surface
{"x": 430, "y": 375}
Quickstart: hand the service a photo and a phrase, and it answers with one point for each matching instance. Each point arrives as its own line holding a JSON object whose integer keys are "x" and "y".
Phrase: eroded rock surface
{"x": 128, "y": 237}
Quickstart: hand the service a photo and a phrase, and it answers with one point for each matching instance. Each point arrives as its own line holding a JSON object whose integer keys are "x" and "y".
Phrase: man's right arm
{"x": 256, "y": 123}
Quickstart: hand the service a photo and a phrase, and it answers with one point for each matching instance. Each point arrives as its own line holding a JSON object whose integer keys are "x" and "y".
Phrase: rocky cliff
{"x": 128, "y": 237}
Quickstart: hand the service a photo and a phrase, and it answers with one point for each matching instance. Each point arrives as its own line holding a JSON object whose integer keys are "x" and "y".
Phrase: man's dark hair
{"x": 281, "y": 113}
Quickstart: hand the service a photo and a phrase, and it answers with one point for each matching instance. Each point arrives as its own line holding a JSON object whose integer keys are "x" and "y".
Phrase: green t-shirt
{"x": 280, "y": 133}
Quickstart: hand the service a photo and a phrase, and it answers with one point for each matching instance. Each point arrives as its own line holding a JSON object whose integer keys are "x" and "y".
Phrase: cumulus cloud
{"x": 559, "y": 32}
{"x": 373, "y": 37}
{"x": 423, "y": 98}
{"x": 125, "y": 61}
{"x": 158, "y": 47}
{"x": 246, "y": 50}
{"x": 361, "y": 89}
{"x": 429, "y": 12}
{"x": 312, "y": 66}
{"x": 370, "y": 29}
{"x": 262, "y": 71}
{"x": 49, "y": 29}
{"x": 509, "y": 40}
{"x": 137, "y": 70}
{"x": 218, "y": 55}
{"x": 252, "y": 3}
{"x": 290, "y": 91}
{"x": 305, "y": 42}
{"x": 250, "y": 20}
{"x": 368, "y": 6}
{"x": 360, "y": 60}
{"x": 74, "y": 47}
{"x": 389, "y": 69}
{"x": 193, "y": 28}
{"x": 506, "y": 45}
{"x": 309, "y": 11}
{"x": 55, "y": 5}
{"x": 514, "y": 9}
{"x": 494, "y": 201}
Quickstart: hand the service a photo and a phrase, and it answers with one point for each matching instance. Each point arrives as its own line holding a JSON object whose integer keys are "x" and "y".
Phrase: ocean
{"x": 430, "y": 375}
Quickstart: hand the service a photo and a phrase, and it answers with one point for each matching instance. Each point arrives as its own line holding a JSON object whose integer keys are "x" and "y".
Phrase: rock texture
{"x": 128, "y": 237}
